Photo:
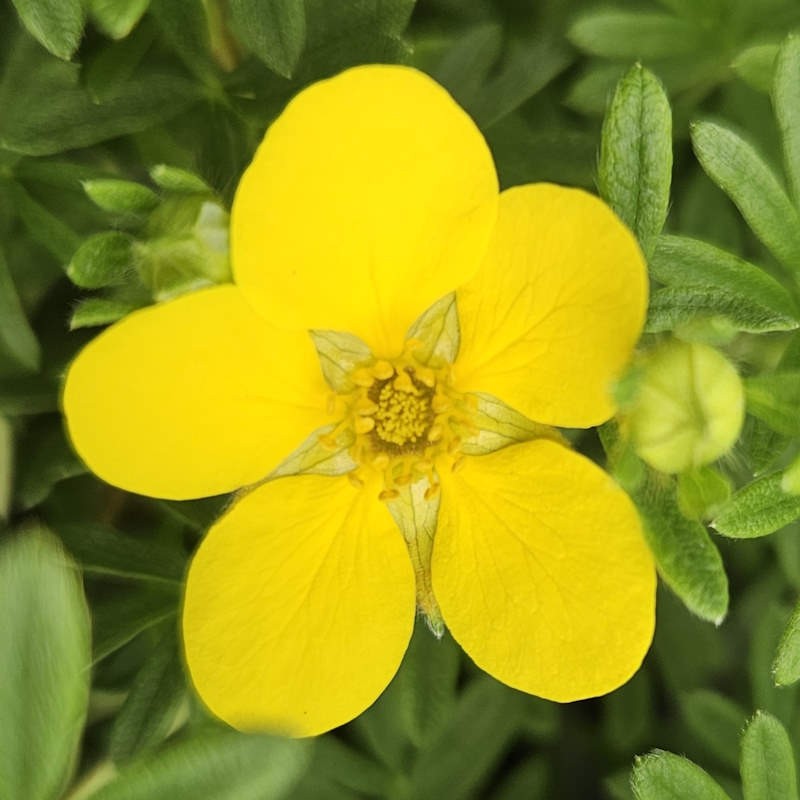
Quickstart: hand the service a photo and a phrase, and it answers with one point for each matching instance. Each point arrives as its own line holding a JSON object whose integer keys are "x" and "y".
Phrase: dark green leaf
{"x": 57, "y": 24}
{"x": 6, "y": 467}
{"x": 665, "y": 776}
{"x": 758, "y": 509}
{"x": 786, "y": 99}
{"x": 767, "y": 765}
{"x": 44, "y": 661}
{"x": 635, "y": 168}
{"x": 35, "y": 395}
{"x": 222, "y": 764}
{"x": 275, "y": 30}
{"x": 716, "y": 721}
{"x": 184, "y": 24}
{"x": 735, "y": 166}
{"x": 102, "y": 260}
{"x": 17, "y": 340}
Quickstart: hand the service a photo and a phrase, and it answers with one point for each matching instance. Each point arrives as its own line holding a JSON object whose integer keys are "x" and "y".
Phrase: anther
{"x": 458, "y": 464}
{"x": 435, "y": 433}
{"x": 381, "y": 461}
{"x": 404, "y": 479}
{"x": 328, "y": 441}
{"x": 403, "y": 383}
{"x": 389, "y": 494}
{"x": 365, "y": 407}
{"x": 362, "y": 377}
{"x": 440, "y": 403}
{"x": 424, "y": 465}
{"x": 364, "y": 424}
{"x": 382, "y": 370}
{"x": 355, "y": 480}
{"x": 426, "y": 376}
{"x": 432, "y": 491}
{"x": 330, "y": 404}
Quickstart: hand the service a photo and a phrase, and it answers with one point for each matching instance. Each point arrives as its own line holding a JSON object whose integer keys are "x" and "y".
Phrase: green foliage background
{"x": 124, "y": 126}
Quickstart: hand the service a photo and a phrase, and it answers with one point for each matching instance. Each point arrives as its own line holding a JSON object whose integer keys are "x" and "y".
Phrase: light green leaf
{"x": 6, "y": 467}
{"x": 94, "y": 311}
{"x": 664, "y": 776}
{"x": 707, "y": 280}
{"x": 438, "y": 332}
{"x": 756, "y": 66}
{"x": 153, "y": 702}
{"x": 758, "y": 509}
{"x": 323, "y": 453}
{"x": 275, "y": 30}
{"x": 117, "y": 18}
{"x": 222, "y": 764}
{"x": 735, "y": 166}
{"x": 497, "y": 426}
{"x": 121, "y": 197}
{"x": 767, "y": 764}
{"x": 102, "y": 260}
{"x": 701, "y": 490}
{"x": 44, "y": 661}
{"x": 786, "y": 667}
{"x": 339, "y": 354}
{"x": 775, "y": 398}
{"x": 103, "y": 550}
{"x": 56, "y": 24}
{"x": 627, "y": 35}
{"x": 17, "y": 339}
{"x": 635, "y": 167}
{"x": 786, "y": 99}
{"x": 765, "y": 637}
{"x": 687, "y": 559}
{"x": 177, "y": 180}
{"x": 716, "y": 721}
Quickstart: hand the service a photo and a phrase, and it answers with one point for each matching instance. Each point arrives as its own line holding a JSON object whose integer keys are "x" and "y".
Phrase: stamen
{"x": 364, "y": 424}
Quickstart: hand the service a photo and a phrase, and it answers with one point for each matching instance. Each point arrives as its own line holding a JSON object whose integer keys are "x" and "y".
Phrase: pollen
{"x": 404, "y": 412}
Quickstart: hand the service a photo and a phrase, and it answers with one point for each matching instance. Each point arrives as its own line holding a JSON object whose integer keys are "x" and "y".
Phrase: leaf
{"x": 701, "y": 490}
{"x": 687, "y": 559}
{"x": 455, "y": 765}
{"x": 635, "y": 167}
{"x": 786, "y": 668}
{"x": 56, "y": 24}
{"x": 664, "y": 776}
{"x": 177, "y": 180}
{"x": 17, "y": 339}
{"x": 6, "y": 467}
{"x": 735, "y": 166}
{"x": 340, "y": 354}
{"x": 755, "y": 65}
{"x": 218, "y": 763}
{"x": 44, "y": 661}
{"x": 758, "y": 509}
{"x": 786, "y": 99}
{"x": 767, "y": 764}
{"x": 628, "y": 714}
{"x": 707, "y": 280}
{"x": 117, "y": 18}
{"x": 438, "y": 333}
{"x": 716, "y": 722}
{"x": 36, "y": 394}
{"x": 184, "y": 25}
{"x": 775, "y": 398}
{"x": 275, "y": 30}
{"x": 626, "y": 35}
{"x": 120, "y": 197}
{"x": 94, "y": 311}
{"x": 103, "y": 550}
{"x": 102, "y": 260}
{"x": 153, "y": 701}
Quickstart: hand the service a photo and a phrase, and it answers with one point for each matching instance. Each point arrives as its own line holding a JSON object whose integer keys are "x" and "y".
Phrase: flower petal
{"x": 542, "y": 573}
{"x": 552, "y": 317}
{"x": 299, "y": 606}
{"x": 192, "y": 398}
{"x": 371, "y": 196}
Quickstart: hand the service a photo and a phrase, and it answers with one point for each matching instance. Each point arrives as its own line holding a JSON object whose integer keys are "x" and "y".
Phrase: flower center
{"x": 403, "y": 413}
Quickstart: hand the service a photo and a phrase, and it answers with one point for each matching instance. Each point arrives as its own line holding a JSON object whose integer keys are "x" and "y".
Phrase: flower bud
{"x": 689, "y": 407}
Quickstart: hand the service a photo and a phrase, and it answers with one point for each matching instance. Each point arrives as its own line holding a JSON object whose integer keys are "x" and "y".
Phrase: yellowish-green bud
{"x": 689, "y": 407}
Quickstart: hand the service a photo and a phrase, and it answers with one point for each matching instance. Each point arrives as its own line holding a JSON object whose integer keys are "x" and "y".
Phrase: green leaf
{"x": 664, "y": 776}
{"x": 786, "y": 667}
{"x": 455, "y": 765}
{"x": 222, "y": 764}
{"x": 735, "y": 166}
{"x": 6, "y": 467}
{"x": 756, "y": 66}
{"x": 758, "y": 509}
{"x": 705, "y": 280}
{"x": 56, "y": 24}
{"x": 627, "y": 35}
{"x": 117, "y": 18}
{"x": 44, "y": 661}
{"x": 716, "y": 721}
{"x": 687, "y": 559}
{"x": 275, "y": 30}
{"x": 103, "y": 550}
{"x": 767, "y": 764}
{"x": 184, "y": 25}
{"x": 17, "y": 339}
{"x": 36, "y": 394}
{"x": 701, "y": 490}
{"x": 102, "y": 260}
{"x": 628, "y": 714}
{"x": 775, "y": 398}
{"x": 325, "y": 452}
{"x": 121, "y": 197}
{"x": 94, "y": 311}
{"x": 152, "y": 703}
{"x": 180, "y": 181}
{"x": 786, "y": 99}
{"x": 438, "y": 332}
{"x": 635, "y": 167}
{"x": 339, "y": 354}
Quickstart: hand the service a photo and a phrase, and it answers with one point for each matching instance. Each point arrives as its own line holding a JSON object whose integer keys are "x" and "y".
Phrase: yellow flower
{"x": 372, "y": 197}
